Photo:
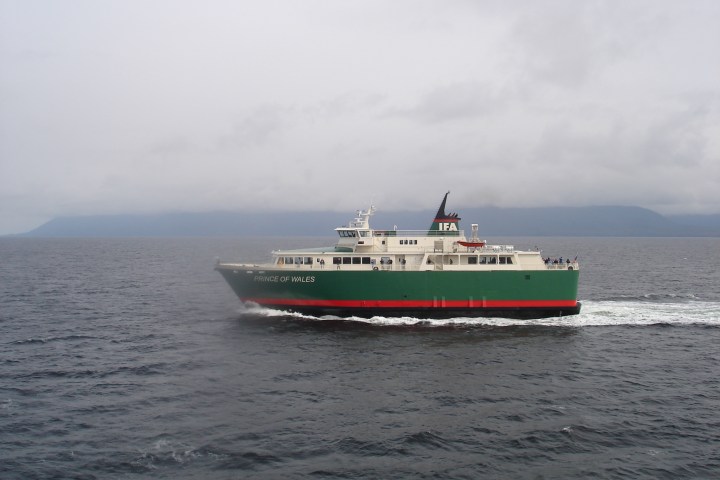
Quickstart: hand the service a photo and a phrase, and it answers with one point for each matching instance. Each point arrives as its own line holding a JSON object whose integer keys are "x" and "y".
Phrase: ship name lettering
{"x": 266, "y": 278}
{"x": 307, "y": 279}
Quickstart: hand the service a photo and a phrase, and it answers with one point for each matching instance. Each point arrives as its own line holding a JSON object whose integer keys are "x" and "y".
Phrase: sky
{"x": 151, "y": 106}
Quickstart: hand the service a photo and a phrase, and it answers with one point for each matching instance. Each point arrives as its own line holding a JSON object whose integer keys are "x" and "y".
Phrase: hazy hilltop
{"x": 711, "y": 222}
{"x": 546, "y": 221}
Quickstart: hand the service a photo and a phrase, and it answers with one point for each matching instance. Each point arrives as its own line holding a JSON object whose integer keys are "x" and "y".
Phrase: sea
{"x": 130, "y": 358}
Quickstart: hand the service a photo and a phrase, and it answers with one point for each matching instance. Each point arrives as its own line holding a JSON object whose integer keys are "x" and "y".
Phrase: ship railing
{"x": 418, "y": 233}
{"x": 563, "y": 266}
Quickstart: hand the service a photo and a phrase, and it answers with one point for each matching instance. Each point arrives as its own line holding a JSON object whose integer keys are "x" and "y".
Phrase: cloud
{"x": 460, "y": 101}
{"x": 113, "y": 108}
{"x": 262, "y": 125}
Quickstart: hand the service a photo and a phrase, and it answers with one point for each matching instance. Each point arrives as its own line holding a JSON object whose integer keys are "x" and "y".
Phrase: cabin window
{"x": 356, "y": 260}
{"x": 509, "y": 260}
{"x": 347, "y": 260}
{"x": 492, "y": 260}
{"x": 337, "y": 260}
{"x": 366, "y": 260}
{"x": 289, "y": 260}
{"x": 472, "y": 260}
{"x": 308, "y": 261}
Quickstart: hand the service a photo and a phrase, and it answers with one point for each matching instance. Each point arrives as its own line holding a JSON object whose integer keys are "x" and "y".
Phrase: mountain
{"x": 493, "y": 221}
{"x": 704, "y": 221}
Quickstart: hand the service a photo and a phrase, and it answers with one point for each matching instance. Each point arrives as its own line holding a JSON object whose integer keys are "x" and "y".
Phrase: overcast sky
{"x": 123, "y": 106}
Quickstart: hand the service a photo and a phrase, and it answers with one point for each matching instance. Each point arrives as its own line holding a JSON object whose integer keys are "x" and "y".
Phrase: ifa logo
{"x": 447, "y": 227}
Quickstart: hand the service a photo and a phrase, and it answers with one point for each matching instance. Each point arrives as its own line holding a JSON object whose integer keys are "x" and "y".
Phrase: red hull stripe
{"x": 414, "y": 303}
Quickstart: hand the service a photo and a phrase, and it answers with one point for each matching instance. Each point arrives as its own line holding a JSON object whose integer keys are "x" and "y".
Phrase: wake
{"x": 593, "y": 313}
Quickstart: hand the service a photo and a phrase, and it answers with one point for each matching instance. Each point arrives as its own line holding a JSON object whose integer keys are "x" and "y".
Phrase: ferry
{"x": 433, "y": 273}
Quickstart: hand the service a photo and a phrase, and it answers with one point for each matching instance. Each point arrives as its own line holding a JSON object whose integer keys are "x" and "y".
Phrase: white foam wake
{"x": 593, "y": 313}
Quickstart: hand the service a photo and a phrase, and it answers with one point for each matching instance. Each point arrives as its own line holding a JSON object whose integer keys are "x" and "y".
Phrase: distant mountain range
{"x": 493, "y": 221}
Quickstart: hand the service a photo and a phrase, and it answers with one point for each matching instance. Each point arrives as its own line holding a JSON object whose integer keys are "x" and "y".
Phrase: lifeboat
{"x": 472, "y": 244}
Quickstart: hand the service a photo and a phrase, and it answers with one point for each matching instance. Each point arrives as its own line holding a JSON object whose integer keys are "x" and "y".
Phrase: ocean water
{"x": 131, "y": 358}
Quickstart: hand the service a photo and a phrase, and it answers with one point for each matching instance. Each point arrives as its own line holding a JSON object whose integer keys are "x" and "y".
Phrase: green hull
{"x": 514, "y": 294}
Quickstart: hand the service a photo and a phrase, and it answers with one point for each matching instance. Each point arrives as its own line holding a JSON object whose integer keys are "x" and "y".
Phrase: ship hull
{"x": 421, "y": 294}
